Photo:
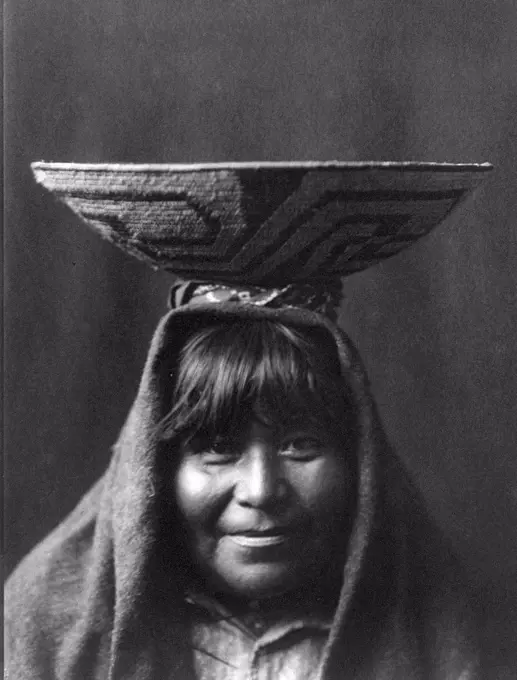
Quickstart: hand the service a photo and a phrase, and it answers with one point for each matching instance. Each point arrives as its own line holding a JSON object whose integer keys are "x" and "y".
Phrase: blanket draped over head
{"x": 102, "y": 597}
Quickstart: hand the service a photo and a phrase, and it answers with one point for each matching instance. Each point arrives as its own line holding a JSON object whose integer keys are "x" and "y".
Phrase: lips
{"x": 258, "y": 540}
{"x": 272, "y": 530}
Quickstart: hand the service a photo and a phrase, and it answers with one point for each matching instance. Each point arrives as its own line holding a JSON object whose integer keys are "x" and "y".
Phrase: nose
{"x": 261, "y": 481}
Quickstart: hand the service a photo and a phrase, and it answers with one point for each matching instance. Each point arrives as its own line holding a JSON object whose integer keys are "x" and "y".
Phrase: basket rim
{"x": 417, "y": 166}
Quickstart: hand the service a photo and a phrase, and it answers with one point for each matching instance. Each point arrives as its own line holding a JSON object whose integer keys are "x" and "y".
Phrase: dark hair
{"x": 230, "y": 370}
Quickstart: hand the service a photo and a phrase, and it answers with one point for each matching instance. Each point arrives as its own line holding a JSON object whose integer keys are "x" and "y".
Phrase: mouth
{"x": 258, "y": 540}
{"x": 263, "y": 538}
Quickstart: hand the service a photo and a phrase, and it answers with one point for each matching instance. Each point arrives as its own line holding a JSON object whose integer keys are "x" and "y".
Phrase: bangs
{"x": 230, "y": 372}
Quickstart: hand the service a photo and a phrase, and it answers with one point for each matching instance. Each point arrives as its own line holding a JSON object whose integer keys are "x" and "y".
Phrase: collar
{"x": 260, "y": 615}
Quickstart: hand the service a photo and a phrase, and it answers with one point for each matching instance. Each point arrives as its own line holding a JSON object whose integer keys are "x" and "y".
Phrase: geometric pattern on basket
{"x": 268, "y": 226}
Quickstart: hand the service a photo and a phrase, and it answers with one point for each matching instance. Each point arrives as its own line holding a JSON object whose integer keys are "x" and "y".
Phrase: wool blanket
{"x": 102, "y": 597}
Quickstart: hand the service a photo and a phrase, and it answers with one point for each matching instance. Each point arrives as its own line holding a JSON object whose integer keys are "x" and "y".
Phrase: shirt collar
{"x": 216, "y": 611}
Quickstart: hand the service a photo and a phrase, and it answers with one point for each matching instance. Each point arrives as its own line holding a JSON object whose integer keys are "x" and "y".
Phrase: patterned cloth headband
{"x": 324, "y": 298}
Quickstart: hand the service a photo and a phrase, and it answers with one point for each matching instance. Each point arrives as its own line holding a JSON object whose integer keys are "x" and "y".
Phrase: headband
{"x": 324, "y": 298}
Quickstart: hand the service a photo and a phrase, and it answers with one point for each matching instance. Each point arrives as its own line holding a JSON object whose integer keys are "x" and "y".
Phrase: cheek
{"x": 324, "y": 488}
{"x": 199, "y": 496}
{"x": 189, "y": 488}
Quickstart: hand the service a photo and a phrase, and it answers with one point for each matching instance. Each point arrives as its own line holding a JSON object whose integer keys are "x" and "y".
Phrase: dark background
{"x": 204, "y": 80}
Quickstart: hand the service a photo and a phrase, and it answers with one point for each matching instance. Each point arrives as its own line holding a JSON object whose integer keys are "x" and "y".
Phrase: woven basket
{"x": 265, "y": 224}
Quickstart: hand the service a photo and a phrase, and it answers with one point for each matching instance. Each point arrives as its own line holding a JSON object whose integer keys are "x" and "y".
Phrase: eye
{"x": 302, "y": 447}
{"x": 217, "y": 451}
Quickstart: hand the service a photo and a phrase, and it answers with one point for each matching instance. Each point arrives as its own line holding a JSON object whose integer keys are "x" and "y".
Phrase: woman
{"x": 253, "y": 522}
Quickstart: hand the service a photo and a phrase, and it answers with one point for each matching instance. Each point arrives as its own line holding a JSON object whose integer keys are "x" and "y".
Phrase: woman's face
{"x": 267, "y": 511}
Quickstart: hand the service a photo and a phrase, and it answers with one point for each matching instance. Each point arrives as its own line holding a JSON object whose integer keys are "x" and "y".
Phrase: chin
{"x": 260, "y": 582}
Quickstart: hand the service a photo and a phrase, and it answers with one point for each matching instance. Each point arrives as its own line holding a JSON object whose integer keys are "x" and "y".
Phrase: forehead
{"x": 294, "y": 413}
{"x": 281, "y": 407}
{"x": 268, "y": 424}
{"x": 260, "y": 421}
